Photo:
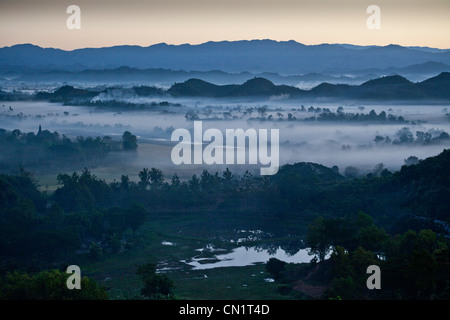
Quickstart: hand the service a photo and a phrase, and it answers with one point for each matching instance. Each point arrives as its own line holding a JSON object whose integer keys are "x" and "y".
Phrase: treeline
{"x": 404, "y": 137}
{"x": 70, "y": 95}
{"x": 36, "y": 232}
{"x": 127, "y": 105}
{"x": 47, "y": 285}
{"x": 47, "y": 150}
{"x": 372, "y": 116}
{"x": 324, "y": 114}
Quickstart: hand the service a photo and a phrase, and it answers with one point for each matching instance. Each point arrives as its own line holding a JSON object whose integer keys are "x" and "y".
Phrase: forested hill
{"x": 393, "y": 199}
{"x": 253, "y": 87}
{"x": 389, "y": 87}
{"x": 428, "y": 185}
{"x": 381, "y": 89}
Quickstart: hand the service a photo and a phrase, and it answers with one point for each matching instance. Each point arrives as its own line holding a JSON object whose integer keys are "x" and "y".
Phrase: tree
{"x": 136, "y": 216}
{"x": 156, "y": 177}
{"x": 275, "y": 267}
{"x": 114, "y": 242}
{"x": 194, "y": 183}
{"x": 129, "y": 141}
{"x": 124, "y": 182}
{"x": 175, "y": 182}
{"x": 226, "y": 115}
{"x": 262, "y": 111}
{"x": 95, "y": 251}
{"x": 144, "y": 176}
{"x": 318, "y": 238}
{"x": 208, "y": 181}
{"x": 411, "y": 160}
{"x": 351, "y": 172}
{"x": 371, "y": 237}
{"x": 423, "y": 137}
{"x": 191, "y": 115}
{"x": 156, "y": 286}
{"x": 404, "y": 136}
{"x": 227, "y": 175}
{"x": 379, "y": 139}
{"x": 385, "y": 173}
{"x": 54, "y": 214}
{"x": 378, "y": 169}
{"x": 373, "y": 115}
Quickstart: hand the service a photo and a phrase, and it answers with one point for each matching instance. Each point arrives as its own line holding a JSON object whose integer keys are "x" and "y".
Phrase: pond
{"x": 244, "y": 256}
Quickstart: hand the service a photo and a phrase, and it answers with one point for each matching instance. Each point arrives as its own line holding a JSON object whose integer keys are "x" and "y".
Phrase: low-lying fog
{"x": 326, "y": 142}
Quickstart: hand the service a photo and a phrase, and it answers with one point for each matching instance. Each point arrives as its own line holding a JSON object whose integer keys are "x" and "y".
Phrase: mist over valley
{"x": 87, "y": 174}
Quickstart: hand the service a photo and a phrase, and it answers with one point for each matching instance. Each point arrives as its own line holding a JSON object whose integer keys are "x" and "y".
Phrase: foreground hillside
{"x": 86, "y": 216}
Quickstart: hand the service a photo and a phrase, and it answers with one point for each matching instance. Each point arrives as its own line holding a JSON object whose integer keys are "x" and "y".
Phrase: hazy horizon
{"x": 220, "y": 41}
{"x": 143, "y": 23}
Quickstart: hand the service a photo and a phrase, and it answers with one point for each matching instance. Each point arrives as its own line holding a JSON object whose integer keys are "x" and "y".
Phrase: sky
{"x": 138, "y": 22}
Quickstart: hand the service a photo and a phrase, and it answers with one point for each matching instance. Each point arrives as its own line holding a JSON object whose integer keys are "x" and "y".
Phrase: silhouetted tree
{"x": 156, "y": 286}
{"x": 124, "y": 182}
{"x": 412, "y": 160}
{"x": 129, "y": 141}
{"x": 275, "y": 267}
{"x": 156, "y": 177}
{"x": 144, "y": 178}
{"x": 136, "y": 216}
{"x": 351, "y": 172}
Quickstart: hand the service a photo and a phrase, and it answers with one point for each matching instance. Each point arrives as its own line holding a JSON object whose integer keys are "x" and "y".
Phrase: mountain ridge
{"x": 388, "y": 87}
{"x": 284, "y": 57}
{"x": 166, "y": 77}
{"x": 393, "y": 88}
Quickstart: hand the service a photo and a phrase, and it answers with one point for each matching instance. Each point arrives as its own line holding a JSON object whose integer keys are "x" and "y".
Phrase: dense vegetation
{"x": 414, "y": 265}
{"x": 405, "y": 137}
{"x": 40, "y": 231}
{"x": 49, "y": 151}
{"x": 324, "y": 114}
{"x": 69, "y": 95}
{"x": 47, "y": 285}
{"x": 389, "y": 87}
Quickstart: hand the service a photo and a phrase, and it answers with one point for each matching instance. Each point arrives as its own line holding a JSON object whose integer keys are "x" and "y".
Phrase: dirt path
{"x": 312, "y": 291}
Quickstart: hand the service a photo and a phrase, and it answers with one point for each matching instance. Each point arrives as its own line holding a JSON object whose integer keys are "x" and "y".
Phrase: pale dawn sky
{"x": 143, "y": 23}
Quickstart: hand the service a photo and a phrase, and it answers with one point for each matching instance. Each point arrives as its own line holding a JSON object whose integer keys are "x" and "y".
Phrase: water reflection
{"x": 244, "y": 256}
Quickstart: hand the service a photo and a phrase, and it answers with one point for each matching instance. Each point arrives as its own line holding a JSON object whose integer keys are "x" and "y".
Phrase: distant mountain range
{"x": 255, "y": 56}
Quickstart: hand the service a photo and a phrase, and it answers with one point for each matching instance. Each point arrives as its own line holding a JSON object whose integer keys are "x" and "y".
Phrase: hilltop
{"x": 389, "y": 87}
{"x": 385, "y": 88}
